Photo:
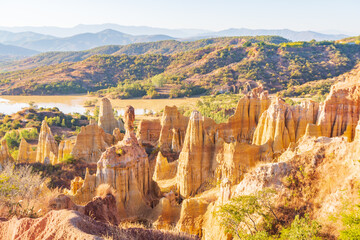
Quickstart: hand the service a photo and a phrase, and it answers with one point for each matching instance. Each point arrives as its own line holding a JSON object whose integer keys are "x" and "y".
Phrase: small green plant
{"x": 351, "y": 222}
{"x": 68, "y": 159}
{"x": 301, "y": 229}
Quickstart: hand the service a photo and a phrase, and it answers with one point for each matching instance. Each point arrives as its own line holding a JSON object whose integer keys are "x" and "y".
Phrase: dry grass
{"x": 104, "y": 189}
{"x": 137, "y": 231}
{"x": 23, "y": 193}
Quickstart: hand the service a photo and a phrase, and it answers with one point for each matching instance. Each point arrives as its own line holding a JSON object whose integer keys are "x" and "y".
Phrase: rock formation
{"x": 195, "y": 160}
{"x": 172, "y": 133}
{"x": 26, "y": 152}
{"x": 149, "y": 132}
{"x": 241, "y": 126}
{"x": 90, "y": 143}
{"x": 118, "y": 135}
{"x": 47, "y": 148}
{"x": 164, "y": 169}
{"x": 235, "y": 159}
{"x": 65, "y": 149}
{"x": 125, "y": 167}
{"x": 65, "y": 224}
{"x": 106, "y": 117}
{"x": 282, "y": 124}
{"x": 4, "y": 153}
{"x": 192, "y": 216}
{"x": 339, "y": 114}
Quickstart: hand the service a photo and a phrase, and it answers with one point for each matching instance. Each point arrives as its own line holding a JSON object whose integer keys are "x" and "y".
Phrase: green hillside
{"x": 216, "y": 67}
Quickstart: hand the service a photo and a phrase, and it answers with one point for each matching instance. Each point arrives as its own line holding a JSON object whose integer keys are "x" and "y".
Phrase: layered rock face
{"x": 149, "y": 131}
{"x": 26, "y": 153}
{"x": 90, "y": 143}
{"x": 173, "y": 131}
{"x": 65, "y": 149}
{"x": 282, "y": 124}
{"x": 106, "y": 117}
{"x": 125, "y": 167}
{"x": 241, "y": 126}
{"x": 47, "y": 148}
{"x": 4, "y": 153}
{"x": 339, "y": 114}
{"x": 195, "y": 160}
{"x": 164, "y": 169}
{"x": 235, "y": 159}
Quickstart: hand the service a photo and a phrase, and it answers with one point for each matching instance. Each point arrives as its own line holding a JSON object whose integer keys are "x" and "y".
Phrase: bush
{"x": 351, "y": 221}
{"x": 68, "y": 159}
{"x": 301, "y": 229}
{"x": 239, "y": 216}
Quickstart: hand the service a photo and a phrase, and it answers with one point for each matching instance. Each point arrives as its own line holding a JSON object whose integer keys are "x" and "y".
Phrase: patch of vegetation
{"x": 19, "y": 191}
{"x": 217, "y": 107}
{"x": 240, "y": 216}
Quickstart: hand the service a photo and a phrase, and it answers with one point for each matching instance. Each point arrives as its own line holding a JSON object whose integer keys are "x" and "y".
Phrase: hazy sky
{"x": 319, "y": 15}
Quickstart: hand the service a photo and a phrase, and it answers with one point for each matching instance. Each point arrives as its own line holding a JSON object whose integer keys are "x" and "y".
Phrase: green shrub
{"x": 68, "y": 159}
{"x": 301, "y": 229}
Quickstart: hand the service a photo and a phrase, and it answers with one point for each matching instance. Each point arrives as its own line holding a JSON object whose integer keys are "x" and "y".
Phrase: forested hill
{"x": 160, "y": 47}
{"x": 226, "y": 64}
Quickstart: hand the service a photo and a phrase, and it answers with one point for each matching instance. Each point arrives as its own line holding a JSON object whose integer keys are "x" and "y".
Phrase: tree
{"x": 240, "y": 216}
{"x": 158, "y": 80}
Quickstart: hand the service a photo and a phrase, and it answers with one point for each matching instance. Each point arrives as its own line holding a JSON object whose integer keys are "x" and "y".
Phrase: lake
{"x": 74, "y": 103}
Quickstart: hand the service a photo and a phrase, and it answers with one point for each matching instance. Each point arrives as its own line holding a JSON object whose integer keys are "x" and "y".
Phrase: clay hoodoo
{"x": 26, "y": 153}
{"x": 164, "y": 169}
{"x": 90, "y": 143}
{"x": 4, "y": 153}
{"x": 149, "y": 132}
{"x": 195, "y": 165}
{"x": 47, "y": 148}
{"x": 172, "y": 133}
{"x": 125, "y": 167}
{"x": 241, "y": 126}
{"x": 339, "y": 114}
{"x": 282, "y": 124}
{"x": 106, "y": 117}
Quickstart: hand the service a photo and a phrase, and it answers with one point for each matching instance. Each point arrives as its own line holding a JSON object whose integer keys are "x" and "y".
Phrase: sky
{"x": 328, "y": 16}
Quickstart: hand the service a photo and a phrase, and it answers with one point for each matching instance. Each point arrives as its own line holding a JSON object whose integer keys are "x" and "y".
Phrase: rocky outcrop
{"x": 26, "y": 152}
{"x": 241, "y": 126}
{"x": 149, "y": 132}
{"x": 164, "y": 169}
{"x": 90, "y": 143}
{"x": 282, "y": 124}
{"x": 192, "y": 216}
{"x": 5, "y": 155}
{"x": 173, "y": 131}
{"x": 65, "y": 149}
{"x": 118, "y": 135}
{"x": 47, "y": 148}
{"x": 339, "y": 114}
{"x": 65, "y": 224}
{"x": 107, "y": 120}
{"x": 125, "y": 167}
{"x": 235, "y": 159}
{"x": 196, "y": 158}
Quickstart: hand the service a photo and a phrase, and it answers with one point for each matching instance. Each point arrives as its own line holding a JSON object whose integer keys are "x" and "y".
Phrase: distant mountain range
{"x": 84, "y": 41}
{"x": 84, "y": 37}
{"x": 8, "y": 50}
{"x": 132, "y": 30}
{"x": 285, "y": 33}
